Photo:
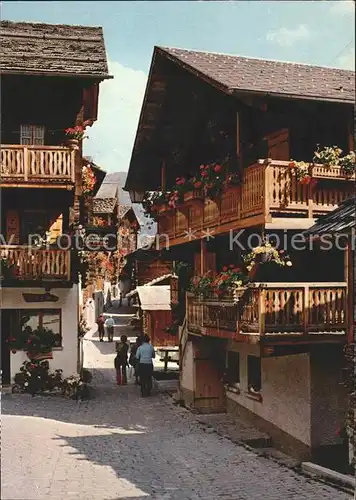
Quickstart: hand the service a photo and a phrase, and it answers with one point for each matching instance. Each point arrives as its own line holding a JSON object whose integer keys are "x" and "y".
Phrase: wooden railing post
{"x": 68, "y": 264}
{"x": 261, "y": 311}
{"x": 310, "y": 201}
{"x": 305, "y": 309}
{"x": 25, "y": 163}
{"x": 72, "y": 164}
{"x": 267, "y": 186}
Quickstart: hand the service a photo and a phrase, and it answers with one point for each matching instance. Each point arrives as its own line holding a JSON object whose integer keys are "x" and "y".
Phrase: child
{"x": 121, "y": 360}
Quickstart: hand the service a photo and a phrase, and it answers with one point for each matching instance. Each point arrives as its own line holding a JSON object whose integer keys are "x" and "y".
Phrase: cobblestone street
{"x": 119, "y": 446}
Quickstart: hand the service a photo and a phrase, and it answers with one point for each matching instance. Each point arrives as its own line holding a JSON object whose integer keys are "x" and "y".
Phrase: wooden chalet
{"x": 50, "y": 82}
{"x": 154, "y": 307}
{"x": 274, "y": 355}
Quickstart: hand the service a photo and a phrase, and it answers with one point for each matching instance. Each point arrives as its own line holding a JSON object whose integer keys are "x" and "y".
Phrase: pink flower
{"x": 197, "y": 184}
{"x": 202, "y": 167}
{"x": 217, "y": 168}
{"x": 204, "y": 173}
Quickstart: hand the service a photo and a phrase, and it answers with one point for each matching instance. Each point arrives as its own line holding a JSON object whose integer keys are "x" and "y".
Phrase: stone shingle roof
{"x": 340, "y": 220}
{"x": 104, "y": 205}
{"x": 53, "y": 49}
{"x": 236, "y": 73}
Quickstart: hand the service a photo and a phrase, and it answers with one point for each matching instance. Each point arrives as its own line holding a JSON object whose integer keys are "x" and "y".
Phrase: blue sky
{"x": 319, "y": 32}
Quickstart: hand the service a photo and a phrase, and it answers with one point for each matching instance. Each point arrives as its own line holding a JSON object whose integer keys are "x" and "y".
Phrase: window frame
{"x": 41, "y": 312}
{"x": 233, "y": 385}
{"x": 35, "y": 133}
{"x": 256, "y": 394}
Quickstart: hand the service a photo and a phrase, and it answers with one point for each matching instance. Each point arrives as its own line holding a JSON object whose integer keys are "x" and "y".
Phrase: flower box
{"x": 197, "y": 194}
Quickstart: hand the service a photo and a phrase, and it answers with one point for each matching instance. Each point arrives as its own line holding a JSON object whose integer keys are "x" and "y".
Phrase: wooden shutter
{"x": 278, "y": 145}
{"x": 210, "y": 262}
{"x": 12, "y": 227}
{"x": 174, "y": 291}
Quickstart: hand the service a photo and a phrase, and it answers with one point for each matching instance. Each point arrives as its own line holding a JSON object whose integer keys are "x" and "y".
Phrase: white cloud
{"x": 286, "y": 36}
{"x": 347, "y": 60}
{"x": 111, "y": 138}
{"x": 343, "y": 7}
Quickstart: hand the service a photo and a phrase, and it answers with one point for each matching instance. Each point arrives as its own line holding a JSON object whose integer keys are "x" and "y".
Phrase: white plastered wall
{"x": 65, "y": 357}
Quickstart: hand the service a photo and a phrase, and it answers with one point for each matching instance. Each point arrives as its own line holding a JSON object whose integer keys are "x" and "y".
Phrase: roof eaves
{"x": 93, "y": 76}
{"x": 224, "y": 88}
{"x": 237, "y": 91}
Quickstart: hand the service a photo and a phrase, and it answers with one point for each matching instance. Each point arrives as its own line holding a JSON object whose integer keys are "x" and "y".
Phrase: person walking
{"x": 120, "y": 362}
{"x": 101, "y": 330}
{"x": 110, "y": 323}
{"x": 145, "y": 354}
{"x": 133, "y": 361}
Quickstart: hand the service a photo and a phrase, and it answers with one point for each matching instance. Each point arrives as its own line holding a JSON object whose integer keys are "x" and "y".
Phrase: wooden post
{"x": 25, "y": 163}
{"x": 261, "y": 311}
{"x": 310, "y": 201}
{"x": 267, "y": 186}
{"x": 78, "y": 168}
{"x": 351, "y": 137}
{"x": 349, "y": 278}
{"x": 202, "y": 255}
{"x": 163, "y": 176}
{"x": 306, "y": 310}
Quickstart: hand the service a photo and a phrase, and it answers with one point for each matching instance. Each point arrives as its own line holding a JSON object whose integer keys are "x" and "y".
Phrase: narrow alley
{"x": 120, "y": 446}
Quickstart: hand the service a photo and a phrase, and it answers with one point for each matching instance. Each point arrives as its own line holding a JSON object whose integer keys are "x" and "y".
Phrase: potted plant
{"x": 348, "y": 163}
{"x": 264, "y": 254}
{"x": 201, "y": 285}
{"x": 74, "y": 136}
{"x": 228, "y": 281}
{"x": 40, "y": 343}
{"x": 34, "y": 377}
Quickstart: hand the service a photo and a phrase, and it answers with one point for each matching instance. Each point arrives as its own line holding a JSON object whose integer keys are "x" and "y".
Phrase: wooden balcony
{"x": 274, "y": 311}
{"x": 268, "y": 195}
{"x": 37, "y": 166}
{"x": 35, "y": 264}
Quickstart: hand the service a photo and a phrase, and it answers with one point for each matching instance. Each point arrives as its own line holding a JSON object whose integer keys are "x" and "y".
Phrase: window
{"x": 45, "y": 318}
{"x": 232, "y": 368}
{"x": 32, "y": 134}
{"x": 254, "y": 374}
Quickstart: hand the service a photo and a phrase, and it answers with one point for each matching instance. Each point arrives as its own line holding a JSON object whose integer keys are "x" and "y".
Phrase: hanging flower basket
{"x": 268, "y": 257}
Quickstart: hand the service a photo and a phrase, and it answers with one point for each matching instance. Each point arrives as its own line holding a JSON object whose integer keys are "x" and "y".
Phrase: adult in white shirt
{"x": 109, "y": 324}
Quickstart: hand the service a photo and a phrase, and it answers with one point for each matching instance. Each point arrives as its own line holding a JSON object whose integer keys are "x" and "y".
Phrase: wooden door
{"x": 159, "y": 321}
{"x": 278, "y": 145}
{"x": 209, "y": 394}
{"x": 12, "y": 227}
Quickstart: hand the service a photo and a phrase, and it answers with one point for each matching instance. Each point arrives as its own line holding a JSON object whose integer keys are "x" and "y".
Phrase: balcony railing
{"x": 36, "y": 165}
{"x": 267, "y": 190}
{"x": 31, "y": 264}
{"x": 273, "y": 310}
